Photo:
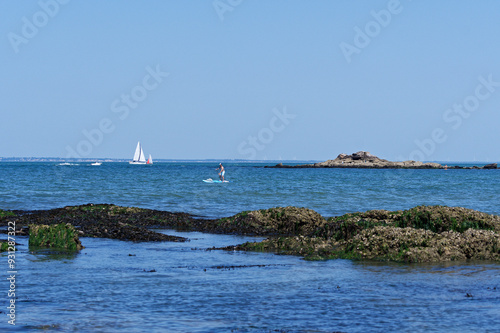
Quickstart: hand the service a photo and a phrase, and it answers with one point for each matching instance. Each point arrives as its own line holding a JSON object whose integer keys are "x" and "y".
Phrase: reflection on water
{"x": 44, "y": 254}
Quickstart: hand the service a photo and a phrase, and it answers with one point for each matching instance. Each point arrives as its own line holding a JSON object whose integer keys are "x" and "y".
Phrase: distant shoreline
{"x": 290, "y": 163}
{"x": 125, "y": 160}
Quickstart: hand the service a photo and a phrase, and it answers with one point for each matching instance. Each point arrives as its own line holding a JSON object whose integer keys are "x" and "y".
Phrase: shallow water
{"x": 185, "y": 287}
{"x": 111, "y": 287}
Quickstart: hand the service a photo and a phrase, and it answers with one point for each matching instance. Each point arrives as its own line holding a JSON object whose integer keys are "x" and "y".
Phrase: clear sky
{"x": 224, "y": 79}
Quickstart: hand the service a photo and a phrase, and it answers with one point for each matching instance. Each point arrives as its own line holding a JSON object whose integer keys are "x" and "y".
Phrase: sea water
{"x": 179, "y": 187}
{"x": 118, "y": 286}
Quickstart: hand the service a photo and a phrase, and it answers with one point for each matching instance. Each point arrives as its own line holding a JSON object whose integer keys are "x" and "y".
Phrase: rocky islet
{"x": 365, "y": 160}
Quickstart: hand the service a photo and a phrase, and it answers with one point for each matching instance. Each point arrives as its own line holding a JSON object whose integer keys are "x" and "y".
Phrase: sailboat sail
{"x": 142, "y": 158}
{"x": 150, "y": 160}
{"x": 139, "y": 157}
{"x": 137, "y": 152}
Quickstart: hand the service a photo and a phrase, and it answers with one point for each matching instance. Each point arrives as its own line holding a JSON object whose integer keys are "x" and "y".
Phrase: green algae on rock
{"x": 60, "y": 236}
{"x": 420, "y": 234}
{"x": 6, "y": 213}
{"x": 434, "y": 218}
{"x": 273, "y": 221}
{"x": 4, "y": 245}
{"x": 108, "y": 221}
{"x": 440, "y": 219}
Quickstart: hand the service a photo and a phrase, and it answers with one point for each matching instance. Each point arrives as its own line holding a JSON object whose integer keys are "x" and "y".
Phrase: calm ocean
{"x": 178, "y": 187}
{"x": 182, "y": 287}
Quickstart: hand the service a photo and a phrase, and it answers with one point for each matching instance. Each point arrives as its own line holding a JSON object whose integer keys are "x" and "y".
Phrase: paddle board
{"x": 215, "y": 181}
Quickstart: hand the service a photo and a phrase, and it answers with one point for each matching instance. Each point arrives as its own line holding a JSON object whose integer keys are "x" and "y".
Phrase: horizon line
{"x": 109, "y": 159}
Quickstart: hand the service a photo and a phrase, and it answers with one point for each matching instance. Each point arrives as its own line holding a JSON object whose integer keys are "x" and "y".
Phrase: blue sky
{"x": 282, "y": 79}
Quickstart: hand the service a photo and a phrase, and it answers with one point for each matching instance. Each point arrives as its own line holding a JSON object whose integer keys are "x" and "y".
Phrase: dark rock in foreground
{"x": 104, "y": 221}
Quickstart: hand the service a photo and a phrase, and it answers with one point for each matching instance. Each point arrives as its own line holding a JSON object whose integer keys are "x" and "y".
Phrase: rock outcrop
{"x": 420, "y": 234}
{"x": 281, "y": 221}
{"x": 365, "y": 160}
{"x": 490, "y": 166}
{"x": 103, "y": 221}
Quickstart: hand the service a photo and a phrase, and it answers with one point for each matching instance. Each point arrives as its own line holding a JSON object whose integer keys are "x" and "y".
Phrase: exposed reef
{"x": 365, "y": 160}
{"x": 420, "y": 234}
{"x": 279, "y": 221}
{"x": 103, "y": 221}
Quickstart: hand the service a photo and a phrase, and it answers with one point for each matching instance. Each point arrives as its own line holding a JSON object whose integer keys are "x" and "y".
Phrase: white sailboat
{"x": 150, "y": 160}
{"x": 139, "y": 157}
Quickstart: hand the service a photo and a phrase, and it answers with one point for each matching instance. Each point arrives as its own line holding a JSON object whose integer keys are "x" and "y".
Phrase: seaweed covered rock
{"x": 348, "y": 225}
{"x": 434, "y": 218}
{"x": 58, "y": 236}
{"x": 420, "y": 234}
{"x": 418, "y": 245}
{"x": 4, "y": 245}
{"x": 6, "y": 214}
{"x": 273, "y": 221}
{"x": 442, "y": 218}
{"x": 109, "y": 221}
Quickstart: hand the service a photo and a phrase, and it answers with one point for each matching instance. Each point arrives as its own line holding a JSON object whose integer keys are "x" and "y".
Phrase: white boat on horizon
{"x": 96, "y": 163}
{"x": 139, "y": 157}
